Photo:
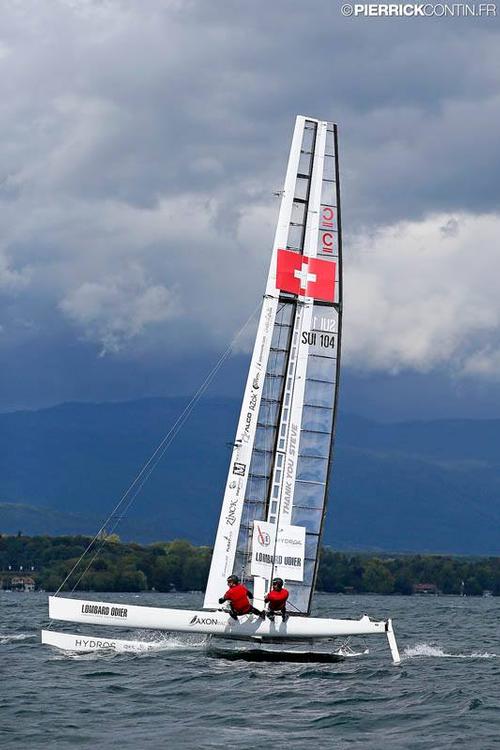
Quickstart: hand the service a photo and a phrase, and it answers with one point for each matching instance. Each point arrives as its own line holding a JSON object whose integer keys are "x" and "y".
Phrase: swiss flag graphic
{"x": 311, "y": 277}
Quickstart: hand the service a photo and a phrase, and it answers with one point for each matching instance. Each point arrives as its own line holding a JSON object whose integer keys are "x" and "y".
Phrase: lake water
{"x": 445, "y": 694}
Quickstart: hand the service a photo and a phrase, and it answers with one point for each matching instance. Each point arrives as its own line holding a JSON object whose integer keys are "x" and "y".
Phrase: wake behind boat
{"x": 274, "y": 504}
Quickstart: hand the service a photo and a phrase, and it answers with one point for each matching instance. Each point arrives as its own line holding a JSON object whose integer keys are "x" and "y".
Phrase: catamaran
{"x": 274, "y": 504}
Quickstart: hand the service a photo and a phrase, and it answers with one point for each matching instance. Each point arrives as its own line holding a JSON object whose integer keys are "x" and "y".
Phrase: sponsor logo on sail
{"x": 278, "y": 559}
{"x": 239, "y": 469}
{"x": 231, "y": 514}
{"x": 264, "y": 537}
{"x": 286, "y": 551}
{"x": 268, "y": 559}
{"x": 268, "y": 322}
{"x": 268, "y": 319}
{"x": 292, "y": 561}
{"x": 326, "y": 245}
{"x": 248, "y": 419}
{"x": 327, "y": 216}
{"x": 290, "y": 469}
{"x": 246, "y": 429}
{"x": 327, "y": 224}
{"x": 287, "y": 497}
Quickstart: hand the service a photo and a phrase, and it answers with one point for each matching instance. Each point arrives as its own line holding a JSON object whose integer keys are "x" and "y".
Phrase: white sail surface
{"x": 285, "y": 432}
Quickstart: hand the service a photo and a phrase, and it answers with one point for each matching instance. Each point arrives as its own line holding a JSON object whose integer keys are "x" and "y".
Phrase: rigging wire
{"x": 143, "y": 475}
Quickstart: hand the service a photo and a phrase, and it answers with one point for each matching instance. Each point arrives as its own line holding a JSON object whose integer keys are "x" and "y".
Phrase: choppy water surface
{"x": 171, "y": 693}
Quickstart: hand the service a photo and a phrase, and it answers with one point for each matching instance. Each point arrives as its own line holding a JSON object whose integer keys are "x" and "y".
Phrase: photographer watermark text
{"x": 426, "y": 10}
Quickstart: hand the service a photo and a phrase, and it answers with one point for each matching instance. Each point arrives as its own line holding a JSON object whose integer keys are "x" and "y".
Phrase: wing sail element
{"x": 281, "y": 458}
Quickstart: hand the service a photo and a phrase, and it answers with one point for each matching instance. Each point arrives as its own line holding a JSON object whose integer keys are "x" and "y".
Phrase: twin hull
{"x": 211, "y": 623}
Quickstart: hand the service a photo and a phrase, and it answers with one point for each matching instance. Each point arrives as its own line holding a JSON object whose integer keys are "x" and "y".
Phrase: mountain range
{"x": 417, "y": 486}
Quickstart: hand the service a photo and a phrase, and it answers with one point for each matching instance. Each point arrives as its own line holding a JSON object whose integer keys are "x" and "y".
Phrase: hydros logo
{"x": 196, "y": 620}
{"x": 91, "y": 643}
{"x": 264, "y": 537}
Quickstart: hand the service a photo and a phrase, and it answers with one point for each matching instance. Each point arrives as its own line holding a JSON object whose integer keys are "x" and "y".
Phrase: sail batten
{"x": 285, "y": 433}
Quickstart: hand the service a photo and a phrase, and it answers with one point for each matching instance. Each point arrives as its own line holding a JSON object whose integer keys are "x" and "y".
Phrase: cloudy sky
{"x": 141, "y": 145}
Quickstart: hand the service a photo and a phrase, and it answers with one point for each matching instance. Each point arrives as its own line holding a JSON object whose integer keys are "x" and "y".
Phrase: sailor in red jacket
{"x": 276, "y": 600}
{"x": 239, "y": 597}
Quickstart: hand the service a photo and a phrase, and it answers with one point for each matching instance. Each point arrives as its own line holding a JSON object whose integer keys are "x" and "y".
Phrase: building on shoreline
{"x": 18, "y": 583}
{"x": 425, "y": 588}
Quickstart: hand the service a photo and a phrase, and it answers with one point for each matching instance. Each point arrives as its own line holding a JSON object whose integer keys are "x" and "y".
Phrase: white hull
{"x": 85, "y": 643}
{"x": 215, "y": 623}
{"x": 82, "y": 644}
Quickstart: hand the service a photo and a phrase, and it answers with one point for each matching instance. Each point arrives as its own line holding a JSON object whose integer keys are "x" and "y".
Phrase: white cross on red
{"x": 304, "y": 276}
{"x": 311, "y": 277}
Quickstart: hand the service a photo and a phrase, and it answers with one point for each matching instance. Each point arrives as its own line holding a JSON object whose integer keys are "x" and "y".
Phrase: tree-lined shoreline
{"x": 181, "y": 566}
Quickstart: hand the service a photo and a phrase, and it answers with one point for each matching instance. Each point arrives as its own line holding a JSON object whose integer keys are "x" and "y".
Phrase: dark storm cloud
{"x": 134, "y": 103}
{"x": 141, "y": 145}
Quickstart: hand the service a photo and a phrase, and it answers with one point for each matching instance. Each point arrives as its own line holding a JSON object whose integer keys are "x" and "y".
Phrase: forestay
{"x": 275, "y": 497}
